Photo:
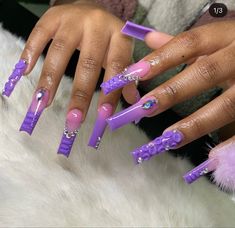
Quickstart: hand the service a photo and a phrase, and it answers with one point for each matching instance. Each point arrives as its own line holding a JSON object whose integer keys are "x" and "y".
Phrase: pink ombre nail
{"x": 73, "y": 123}
{"x": 104, "y": 111}
{"x": 130, "y": 74}
{"x": 39, "y": 103}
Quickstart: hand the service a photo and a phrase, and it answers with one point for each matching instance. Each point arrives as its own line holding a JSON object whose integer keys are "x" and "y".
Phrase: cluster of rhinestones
{"x": 204, "y": 171}
{"x": 168, "y": 140}
{"x": 70, "y": 134}
{"x": 149, "y": 104}
{"x": 98, "y": 142}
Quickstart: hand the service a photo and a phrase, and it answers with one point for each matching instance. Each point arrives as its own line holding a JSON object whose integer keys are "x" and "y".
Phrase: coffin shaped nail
{"x": 15, "y": 76}
{"x": 104, "y": 112}
{"x": 141, "y": 109}
{"x": 72, "y": 125}
{"x": 168, "y": 140}
{"x": 130, "y": 74}
{"x": 204, "y": 168}
{"x": 135, "y": 30}
{"x": 39, "y": 103}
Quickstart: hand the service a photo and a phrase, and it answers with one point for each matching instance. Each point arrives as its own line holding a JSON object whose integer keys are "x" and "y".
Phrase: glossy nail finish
{"x": 39, "y": 103}
{"x": 72, "y": 125}
{"x": 135, "y": 30}
{"x": 204, "y": 168}
{"x": 104, "y": 112}
{"x": 141, "y": 109}
{"x": 168, "y": 140}
{"x": 130, "y": 74}
{"x": 17, "y": 73}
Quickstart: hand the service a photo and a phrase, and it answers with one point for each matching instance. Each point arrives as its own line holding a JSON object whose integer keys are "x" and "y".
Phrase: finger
{"x": 54, "y": 66}
{"x": 131, "y": 93}
{"x": 157, "y": 39}
{"x": 118, "y": 56}
{"x": 221, "y": 162}
{"x": 217, "y": 113}
{"x": 184, "y": 47}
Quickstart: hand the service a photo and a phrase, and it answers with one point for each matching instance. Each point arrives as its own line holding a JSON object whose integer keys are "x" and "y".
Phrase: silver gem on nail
{"x": 69, "y": 135}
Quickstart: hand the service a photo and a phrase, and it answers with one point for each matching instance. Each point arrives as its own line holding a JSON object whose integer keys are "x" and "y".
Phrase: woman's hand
{"x": 215, "y": 42}
{"x": 86, "y": 26}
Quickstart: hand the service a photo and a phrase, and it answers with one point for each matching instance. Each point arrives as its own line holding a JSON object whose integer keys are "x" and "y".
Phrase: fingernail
{"x": 135, "y": 30}
{"x": 72, "y": 125}
{"x": 168, "y": 140}
{"x": 130, "y": 74}
{"x": 141, "y": 109}
{"x": 104, "y": 112}
{"x": 204, "y": 168}
{"x": 38, "y": 104}
{"x": 15, "y": 76}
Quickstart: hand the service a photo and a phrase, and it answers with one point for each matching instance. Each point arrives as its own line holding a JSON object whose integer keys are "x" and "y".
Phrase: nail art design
{"x": 16, "y": 75}
{"x": 204, "y": 168}
{"x": 39, "y": 103}
{"x": 168, "y": 140}
{"x": 130, "y": 74}
{"x": 141, "y": 109}
{"x": 104, "y": 112}
{"x": 135, "y": 30}
{"x": 72, "y": 125}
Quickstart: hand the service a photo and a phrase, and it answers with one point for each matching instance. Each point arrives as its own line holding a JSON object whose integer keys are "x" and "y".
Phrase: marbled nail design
{"x": 130, "y": 74}
{"x": 168, "y": 140}
{"x": 104, "y": 112}
{"x": 141, "y": 109}
{"x": 39, "y": 103}
{"x": 72, "y": 125}
{"x": 204, "y": 168}
{"x": 17, "y": 73}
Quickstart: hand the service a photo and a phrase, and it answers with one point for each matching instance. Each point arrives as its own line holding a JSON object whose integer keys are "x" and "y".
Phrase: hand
{"x": 96, "y": 33}
{"x": 215, "y": 42}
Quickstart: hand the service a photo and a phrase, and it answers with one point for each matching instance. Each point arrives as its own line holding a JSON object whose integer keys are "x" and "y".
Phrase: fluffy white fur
{"x": 90, "y": 188}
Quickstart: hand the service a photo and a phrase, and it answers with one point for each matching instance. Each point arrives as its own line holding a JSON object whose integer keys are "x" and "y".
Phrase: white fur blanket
{"x": 90, "y": 188}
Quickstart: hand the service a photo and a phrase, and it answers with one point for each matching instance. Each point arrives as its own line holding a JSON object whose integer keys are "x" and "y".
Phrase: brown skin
{"x": 215, "y": 42}
{"x": 86, "y": 26}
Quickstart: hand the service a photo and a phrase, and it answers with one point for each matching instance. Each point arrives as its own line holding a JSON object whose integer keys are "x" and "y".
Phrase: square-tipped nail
{"x": 141, "y": 109}
{"x": 72, "y": 125}
{"x": 168, "y": 140}
{"x": 135, "y": 30}
{"x": 204, "y": 168}
{"x": 39, "y": 103}
{"x": 104, "y": 112}
{"x": 17, "y": 73}
{"x": 130, "y": 74}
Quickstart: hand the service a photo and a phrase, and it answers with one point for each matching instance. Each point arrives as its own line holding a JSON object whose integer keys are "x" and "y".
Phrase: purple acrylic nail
{"x": 168, "y": 140}
{"x": 39, "y": 103}
{"x": 17, "y": 73}
{"x": 141, "y": 109}
{"x": 135, "y": 30}
{"x": 104, "y": 112}
{"x": 130, "y": 74}
{"x": 72, "y": 125}
{"x": 204, "y": 168}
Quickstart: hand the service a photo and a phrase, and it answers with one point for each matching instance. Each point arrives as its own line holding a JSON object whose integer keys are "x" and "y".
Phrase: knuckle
{"x": 170, "y": 91}
{"x": 207, "y": 70}
{"x": 81, "y": 95}
{"x": 116, "y": 65}
{"x": 189, "y": 39}
{"x": 198, "y": 128}
{"x": 59, "y": 44}
{"x": 89, "y": 64}
{"x": 228, "y": 106}
{"x": 40, "y": 30}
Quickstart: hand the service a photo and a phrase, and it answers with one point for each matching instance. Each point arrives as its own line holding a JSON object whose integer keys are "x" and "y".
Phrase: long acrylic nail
{"x": 141, "y": 109}
{"x": 39, "y": 103}
{"x": 135, "y": 30}
{"x": 168, "y": 140}
{"x": 204, "y": 168}
{"x": 15, "y": 76}
{"x": 72, "y": 125}
{"x": 130, "y": 74}
{"x": 104, "y": 112}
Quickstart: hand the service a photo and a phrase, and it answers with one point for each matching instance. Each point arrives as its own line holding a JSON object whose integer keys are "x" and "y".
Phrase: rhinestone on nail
{"x": 98, "y": 142}
{"x": 204, "y": 171}
{"x": 148, "y": 104}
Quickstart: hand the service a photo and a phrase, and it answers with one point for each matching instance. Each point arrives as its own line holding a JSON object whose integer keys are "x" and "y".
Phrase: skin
{"x": 211, "y": 54}
{"x": 86, "y": 26}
